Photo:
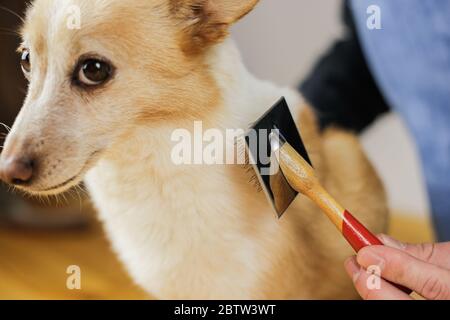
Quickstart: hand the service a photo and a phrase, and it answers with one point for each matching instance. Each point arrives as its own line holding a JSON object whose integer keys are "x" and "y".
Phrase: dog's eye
{"x": 25, "y": 61}
{"x": 93, "y": 72}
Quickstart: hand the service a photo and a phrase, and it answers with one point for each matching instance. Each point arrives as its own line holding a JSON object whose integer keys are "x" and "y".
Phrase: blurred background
{"x": 280, "y": 41}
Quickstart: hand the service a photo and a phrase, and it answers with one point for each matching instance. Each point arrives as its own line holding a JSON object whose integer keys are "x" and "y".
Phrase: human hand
{"x": 424, "y": 268}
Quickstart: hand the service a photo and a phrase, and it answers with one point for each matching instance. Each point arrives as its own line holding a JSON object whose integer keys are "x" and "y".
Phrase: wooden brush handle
{"x": 302, "y": 178}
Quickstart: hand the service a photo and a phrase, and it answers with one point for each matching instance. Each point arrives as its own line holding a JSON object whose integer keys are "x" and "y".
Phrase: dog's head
{"x": 98, "y": 68}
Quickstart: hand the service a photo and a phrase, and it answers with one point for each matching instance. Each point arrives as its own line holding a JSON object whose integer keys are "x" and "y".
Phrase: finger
{"x": 430, "y": 281}
{"x": 371, "y": 286}
{"x": 435, "y": 253}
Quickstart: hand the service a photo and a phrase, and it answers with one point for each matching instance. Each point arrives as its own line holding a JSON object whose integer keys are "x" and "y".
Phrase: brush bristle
{"x": 243, "y": 153}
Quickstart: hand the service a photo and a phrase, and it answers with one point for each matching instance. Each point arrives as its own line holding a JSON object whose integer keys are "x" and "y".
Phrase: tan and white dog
{"x": 103, "y": 101}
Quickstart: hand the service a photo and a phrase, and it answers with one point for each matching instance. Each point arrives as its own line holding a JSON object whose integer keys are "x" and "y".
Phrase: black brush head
{"x": 275, "y": 185}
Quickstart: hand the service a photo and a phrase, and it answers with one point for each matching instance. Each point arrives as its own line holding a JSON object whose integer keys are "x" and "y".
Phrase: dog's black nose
{"x": 16, "y": 170}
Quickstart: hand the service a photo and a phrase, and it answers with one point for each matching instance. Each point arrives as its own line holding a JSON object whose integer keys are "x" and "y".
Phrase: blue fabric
{"x": 410, "y": 59}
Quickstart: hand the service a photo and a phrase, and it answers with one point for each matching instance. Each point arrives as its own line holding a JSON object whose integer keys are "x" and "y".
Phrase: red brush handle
{"x": 358, "y": 236}
{"x": 302, "y": 178}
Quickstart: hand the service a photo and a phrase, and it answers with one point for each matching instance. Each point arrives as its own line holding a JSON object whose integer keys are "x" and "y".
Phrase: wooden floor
{"x": 33, "y": 264}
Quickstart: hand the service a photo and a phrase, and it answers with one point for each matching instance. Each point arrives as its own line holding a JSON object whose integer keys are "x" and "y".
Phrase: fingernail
{"x": 391, "y": 242}
{"x": 352, "y": 268}
{"x": 366, "y": 258}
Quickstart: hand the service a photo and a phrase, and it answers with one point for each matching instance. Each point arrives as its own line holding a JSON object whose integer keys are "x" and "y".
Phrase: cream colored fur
{"x": 190, "y": 232}
{"x": 205, "y": 232}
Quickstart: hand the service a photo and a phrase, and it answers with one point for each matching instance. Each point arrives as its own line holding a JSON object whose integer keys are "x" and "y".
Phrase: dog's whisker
{"x": 12, "y": 12}
{"x": 49, "y": 200}
{"x": 80, "y": 200}
{"x": 8, "y": 128}
{"x": 81, "y": 190}
{"x": 6, "y": 33}
{"x": 11, "y": 31}
{"x": 76, "y": 196}
{"x": 56, "y": 200}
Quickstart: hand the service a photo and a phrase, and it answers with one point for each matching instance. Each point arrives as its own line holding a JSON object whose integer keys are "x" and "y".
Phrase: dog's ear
{"x": 205, "y": 22}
